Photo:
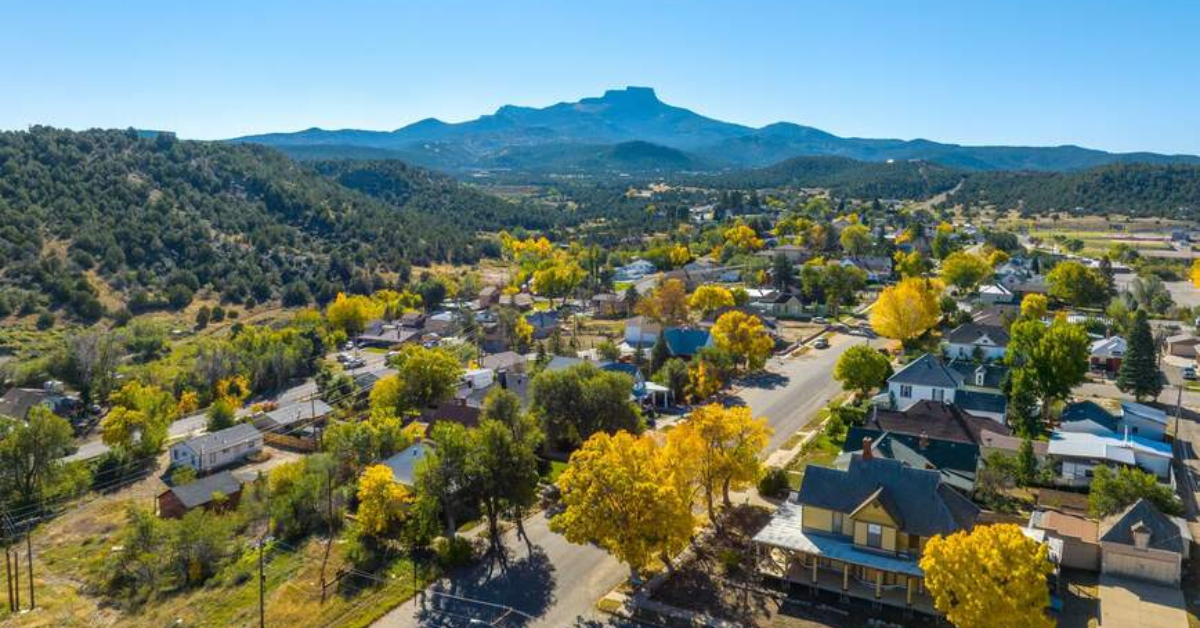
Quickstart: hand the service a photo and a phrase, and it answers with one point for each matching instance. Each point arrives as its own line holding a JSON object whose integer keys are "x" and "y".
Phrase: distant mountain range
{"x": 631, "y": 130}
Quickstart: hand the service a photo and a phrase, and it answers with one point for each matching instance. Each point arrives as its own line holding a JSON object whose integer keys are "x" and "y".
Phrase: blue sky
{"x": 1114, "y": 75}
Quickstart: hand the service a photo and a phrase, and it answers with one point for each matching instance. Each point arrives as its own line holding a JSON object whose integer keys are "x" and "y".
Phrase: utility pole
{"x": 262, "y": 585}
{"x": 329, "y": 523}
{"x": 8, "y": 578}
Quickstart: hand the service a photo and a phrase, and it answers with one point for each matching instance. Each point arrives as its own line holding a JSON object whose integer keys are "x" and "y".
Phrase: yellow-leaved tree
{"x": 1196, "y": 272}
{"x": 718, "y": 448}
{"x": 381, "y": 501}
{"x": 745, "y": 337}
{"x": 708, "y": 299}
{"x": 703, "y": 380}
{"x": 621, "y": 493}
{"x": 558, "y": 276}
{"x": 743, "y": 238}
{"x": 1034, "y": 307}
{"x": 965, "y": 270}
{"x": 991, "y": 577}
{"x": 667, "y": 304}
{"x": 908, "y": 309}
{"x": 352, "y": 313}
{"x": 139, "y": 418}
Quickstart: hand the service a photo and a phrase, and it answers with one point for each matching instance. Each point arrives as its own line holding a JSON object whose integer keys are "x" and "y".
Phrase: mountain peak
{"x": 631, "y": 94}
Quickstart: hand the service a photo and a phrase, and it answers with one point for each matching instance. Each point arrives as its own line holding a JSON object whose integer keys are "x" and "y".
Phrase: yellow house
{"x": 860, "y": 532}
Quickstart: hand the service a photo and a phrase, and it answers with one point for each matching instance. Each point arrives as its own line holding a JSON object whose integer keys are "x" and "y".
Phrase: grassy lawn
{"x": 556, "y": 469}
{"x": 820, "y": 451}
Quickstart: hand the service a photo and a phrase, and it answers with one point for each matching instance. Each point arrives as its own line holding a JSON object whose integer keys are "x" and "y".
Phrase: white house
{"x": 995, "y": 293}
{"x": 640, "y": 332}
{"x": 1106, "y": 354}
{"x": 929, "y": 378}
{"x": 1076, "y": 455}
{"x": 702, "y": 213}
{"x": 634, "y": 270}
{"x": 990, "y": 341}
{"x": 218, "y": 449}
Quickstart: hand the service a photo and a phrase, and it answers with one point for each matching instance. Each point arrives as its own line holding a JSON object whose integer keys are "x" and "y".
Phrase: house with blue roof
{"x": 685, "y": 343}
{"x": 1075, "y": 455}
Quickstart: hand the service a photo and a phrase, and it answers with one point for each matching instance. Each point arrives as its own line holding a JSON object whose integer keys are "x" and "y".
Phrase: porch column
{"x": 845, "y": 580}
{"x": 878, "y": 585}
{"x": 908, "y": 590}
{"x": 814, "y": 569}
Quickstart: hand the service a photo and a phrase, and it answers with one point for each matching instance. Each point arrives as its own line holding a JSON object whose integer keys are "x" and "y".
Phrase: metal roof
{"x": 199, "y": 492}
{"x": 240, "y": 433}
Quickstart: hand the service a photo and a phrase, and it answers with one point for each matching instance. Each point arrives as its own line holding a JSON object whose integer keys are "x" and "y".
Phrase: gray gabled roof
{"x": 300, "y": 411}
{"x": 199, "y": 492}
{"x": 240, "y": 433}
{"x": 917, "y": 495}
{"x": 974, "y": 401}
{"x": 1164, "y": 531}
{"x": 927, "y": 370}
{"x": 970, "y": 333}
{"x": 404, "y": 464}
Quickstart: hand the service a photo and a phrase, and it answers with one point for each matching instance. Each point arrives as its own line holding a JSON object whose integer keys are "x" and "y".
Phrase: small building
{"x": 1075, "y": 456}
{"x": 1106, "y": 354}
{"x": 218, "y": 492}
{"x": 404, "y": 464}
{"x": 786, "y": 304}
{"x": 969, "y": 339}
{"x": 455, "y": 411}
{"x": 634, "y": 270}
{"x": 522, "y": 301}
{"x": 386, "y": 334}
{"x": 209, "y": 452}
{"x": 1144, "y": 544}
{"x": 610, "y": 305}
{"x": 292, "y": 417}
{"x": 991, "y": 442}
{"x": 685, "y": 343}
{"x": 488, "y": 296}
{"x": 877, "y": 269}
{"x": 641, "y": 332}
{"x": 1081, "y": 549}
{"x": 1134, "y": 419}
{"x": 543, "y": 323}
{"x": 1182, "y": 345}
{"x": 994, "y": 294}
{"x": 511, "y": 361}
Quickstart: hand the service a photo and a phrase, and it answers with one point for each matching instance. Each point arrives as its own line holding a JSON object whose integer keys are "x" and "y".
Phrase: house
{"x": 444, "y": 323}
{"x": 1075, "y": 455}
{"x": 1182, "y": 345}
{"x": 610, "y": 305}
{"x": 412, "y": 320}
{"x": 634, "y": 270}
{"x": 980, "y": 377}
{"x": 994, "y": 294}
{"x": 1106, "y": 354}
{"x": 511, "y": 361}
{"x": 214, "y": 450}
{"x": 204, "y": 492}
{"x": 877, "y": 269}
{"x": 641, "y": 332}
{"x": 1079, "y": 538}
{"x": 970, "y": 339}
{"x": 522, "y": 301}
{"x": 289, "y": 418}
{"x": 544, "y": 324}
{"x": 404, "y": 464}
{"x": 786, "y": 304}
{"x": 702, "y": 213}
{"x": 562, "y": 363}
{"x": 1144, "y": 544}
{"x": 928, "y": 377}
{"x": 955, "y": 461}
{"x": 386, "y": 334}
{"x": 18, "y": 402}
{"x": 794, "y": 254}
{"x": 860, "y": 531}
{"x": 685, "y": 343}
{"x": 1137, "y": 419}
{"x": 991, "y": 442}
{"x": 941, "y": 421}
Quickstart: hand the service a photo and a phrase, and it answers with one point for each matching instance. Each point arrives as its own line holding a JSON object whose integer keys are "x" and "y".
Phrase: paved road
{"x": 559, "y": 583}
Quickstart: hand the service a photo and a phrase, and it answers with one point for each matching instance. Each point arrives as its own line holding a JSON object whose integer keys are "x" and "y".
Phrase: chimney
{"x": 923, "y": 441}
{"x": 867, "y": 454}
{"x": 1141, "y": 535}
{"x": 502, "y": 375}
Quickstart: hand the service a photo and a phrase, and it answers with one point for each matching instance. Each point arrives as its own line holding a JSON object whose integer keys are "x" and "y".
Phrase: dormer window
{"x": 980, "y": 374}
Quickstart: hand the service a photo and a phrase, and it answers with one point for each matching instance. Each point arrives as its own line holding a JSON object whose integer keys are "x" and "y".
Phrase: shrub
{"x": 774, "y": 483}
{"x": 453, "y": 552}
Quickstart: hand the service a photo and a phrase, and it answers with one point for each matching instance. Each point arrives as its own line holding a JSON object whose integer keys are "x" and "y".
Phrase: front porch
{"x": 816, "y": 573}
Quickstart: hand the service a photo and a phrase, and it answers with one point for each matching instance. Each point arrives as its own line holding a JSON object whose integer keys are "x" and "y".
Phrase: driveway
{"x": 1134, "y": 604}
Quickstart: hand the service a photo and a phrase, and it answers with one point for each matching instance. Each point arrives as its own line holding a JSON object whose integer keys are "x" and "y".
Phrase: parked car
{"x": 1189, "y": 372}
{"x": 821, "y": 343}
{"x": 820, "y": 320}
{"x": 355, "y": 363}
{"x": 344, "y": 357}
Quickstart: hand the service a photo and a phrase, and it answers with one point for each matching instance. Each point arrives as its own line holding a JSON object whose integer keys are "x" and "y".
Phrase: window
{"x": 838, "y": 519}
{"x": 874, "y": 535}
{"x": 905, "y": 391}
{"x": 939, "y": 394}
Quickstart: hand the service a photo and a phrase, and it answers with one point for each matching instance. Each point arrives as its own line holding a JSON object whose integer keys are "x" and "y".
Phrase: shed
{"x": 176, "y": 501}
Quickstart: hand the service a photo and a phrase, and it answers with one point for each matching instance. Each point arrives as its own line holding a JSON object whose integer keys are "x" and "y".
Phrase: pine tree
{"x": 1027, "y": 466}
{"x": 1139, "y": 372}
{"x": 659, "y": 354}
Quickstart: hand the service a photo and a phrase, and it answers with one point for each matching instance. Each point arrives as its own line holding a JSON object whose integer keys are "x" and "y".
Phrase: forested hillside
{"x": 1132, "y": 189}
{"x": 861, "y": 179}
{"x": 157, "y": 219}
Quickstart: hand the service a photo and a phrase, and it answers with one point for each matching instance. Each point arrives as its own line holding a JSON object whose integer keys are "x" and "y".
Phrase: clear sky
{"x": 1113, "y": 75}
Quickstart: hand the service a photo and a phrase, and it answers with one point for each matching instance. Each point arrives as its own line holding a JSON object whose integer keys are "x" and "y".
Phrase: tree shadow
{"x": 766, "y": 381}
{"x": 508, "y": 588}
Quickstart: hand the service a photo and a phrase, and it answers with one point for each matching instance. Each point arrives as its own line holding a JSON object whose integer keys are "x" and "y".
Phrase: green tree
{"x": 1077, "y": 284}
{"x": 855, "y": 240}
{"x": 840, "y": 283}
{"x": 659, "y": 353}
{"x": 1054, "y": 358}
{"x": 221, "y": 414}
{"x": 673, "y": 375}
{"x": 1139, "y": 374}
{"x": 425, "y": 378}
{"x": 442, "y": 476}
{"x": 1112, "y": 491}
{"x": 862, "y": 369}
{"x": 30, "y": 453}
{"x": 574, "y": 403}
{"x": 1027, "y": 466}
{"x": 965, "y": 270}
{"x": 783, "y": 272}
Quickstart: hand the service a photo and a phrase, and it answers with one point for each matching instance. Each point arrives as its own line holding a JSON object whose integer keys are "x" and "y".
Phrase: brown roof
{"x": 1067, "y": 525}
{"x": 1007, "y": 442}
{"x": 935, "y": 420}
{"x": 452, "y": 412}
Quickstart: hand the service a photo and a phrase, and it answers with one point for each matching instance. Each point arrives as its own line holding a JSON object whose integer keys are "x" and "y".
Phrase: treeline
{"x": 847, "y": 177}
{"x": 158, "y": 219}
{"x": 1130, "y": 189}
